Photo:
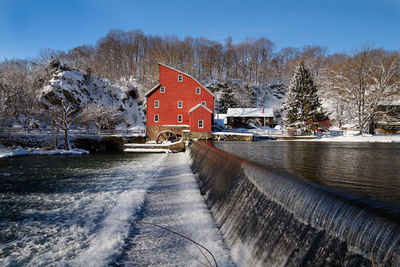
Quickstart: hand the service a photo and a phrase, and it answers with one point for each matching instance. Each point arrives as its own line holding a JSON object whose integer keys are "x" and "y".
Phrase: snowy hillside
{"x": 236, "y": 93}
{"x": 88, "y": 94}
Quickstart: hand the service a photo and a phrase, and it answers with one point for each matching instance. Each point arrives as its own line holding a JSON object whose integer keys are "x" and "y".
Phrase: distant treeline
{"x": 343, "y": 78}
{"x": 134, "y": 54}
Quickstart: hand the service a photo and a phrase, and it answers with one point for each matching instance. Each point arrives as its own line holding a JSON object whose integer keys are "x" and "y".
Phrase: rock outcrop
{"x": 86, "y": 93}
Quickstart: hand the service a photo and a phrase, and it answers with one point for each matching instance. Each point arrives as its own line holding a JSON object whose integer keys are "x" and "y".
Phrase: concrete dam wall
{"x": 271, "y": 219}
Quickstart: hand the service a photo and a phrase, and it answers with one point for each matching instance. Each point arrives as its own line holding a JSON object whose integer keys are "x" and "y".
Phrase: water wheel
{"x": 167, "y": 136}
{"x": 253, "y": 123}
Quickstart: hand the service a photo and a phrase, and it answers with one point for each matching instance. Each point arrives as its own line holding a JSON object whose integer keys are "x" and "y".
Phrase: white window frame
{"x": 200, "y": 122}
{"x": 156, "y": 103}
{"x": 156, "y": 118}
{"x": 180, "y": 104}
{"x": 180, "y": 78}
{"x": 198, "y": 90}
{"x": 204, "y": 103}
{"x": 180, "y": 116}
{"x": 162, "y": 89}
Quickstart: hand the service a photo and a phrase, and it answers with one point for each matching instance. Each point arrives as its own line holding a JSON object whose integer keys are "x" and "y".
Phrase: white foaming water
{"x": 114, "y": 230}
{"x": 115, "y": 227}
{"x": 79, "y": 228}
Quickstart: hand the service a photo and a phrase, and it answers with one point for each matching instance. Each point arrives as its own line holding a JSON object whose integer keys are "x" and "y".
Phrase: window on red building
{"x": 180, "y": 118}
{"x": 200, "y": 123}
{"x": 156, "y": 103}
{"x": 156, "y": 118}
{"x": 180, "y": 104}
{"x": 180, "y": 78}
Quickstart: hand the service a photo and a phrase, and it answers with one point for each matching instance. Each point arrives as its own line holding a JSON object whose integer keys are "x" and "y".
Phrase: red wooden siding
{"x": 200, "y": 114}
{"x": 175, "y": 91}
{"x": 324, "y": 124}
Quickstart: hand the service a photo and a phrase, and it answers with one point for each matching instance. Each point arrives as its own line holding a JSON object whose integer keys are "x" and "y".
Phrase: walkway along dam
{"x": 271, "y": 219}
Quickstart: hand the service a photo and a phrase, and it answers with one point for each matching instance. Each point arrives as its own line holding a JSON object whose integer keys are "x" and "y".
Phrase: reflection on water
{"x": 368, "y": 170}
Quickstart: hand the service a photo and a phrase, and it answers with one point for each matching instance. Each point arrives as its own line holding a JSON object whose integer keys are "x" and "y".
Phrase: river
{"x": 368, "y": 172}
{"x": 84, "y": 211}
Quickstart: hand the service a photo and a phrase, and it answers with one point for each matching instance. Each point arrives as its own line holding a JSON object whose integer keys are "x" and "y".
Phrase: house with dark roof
{"x": 387, "y": 117}
{"x": 179, "y": 103}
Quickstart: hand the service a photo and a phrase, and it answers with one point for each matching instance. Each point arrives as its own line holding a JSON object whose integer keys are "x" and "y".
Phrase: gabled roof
{"x": 152, "y": 90}
{"x": 199, "y": 105}
{"x": 162, "y": 64}
{"x": 250, "y": 112}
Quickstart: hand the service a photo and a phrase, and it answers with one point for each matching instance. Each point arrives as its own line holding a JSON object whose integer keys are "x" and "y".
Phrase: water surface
{"x": 69, "y": 210}
{"x": 365, "y": 170}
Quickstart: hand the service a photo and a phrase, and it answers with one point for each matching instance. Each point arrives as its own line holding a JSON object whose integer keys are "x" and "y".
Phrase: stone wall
{"x": 152, "y": 131}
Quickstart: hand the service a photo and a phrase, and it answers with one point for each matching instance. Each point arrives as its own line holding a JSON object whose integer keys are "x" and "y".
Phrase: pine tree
{"x": 227, "y": 100}
{"x": 302, "y": 107}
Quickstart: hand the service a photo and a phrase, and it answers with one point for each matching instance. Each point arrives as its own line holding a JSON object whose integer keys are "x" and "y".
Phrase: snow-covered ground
{"x": 234, "y": 133}
{"x": 359, "y": 138}
{"x": 19, "y": 151}
{"x": 174, "y": 201}
{"x": 347, "y": 136}
{"x": 147, "y": 150}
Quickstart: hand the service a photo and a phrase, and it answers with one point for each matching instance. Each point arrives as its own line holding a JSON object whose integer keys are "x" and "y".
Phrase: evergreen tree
{"x": 251, "y": 96}
{"x": 227, "y": 100}
{"x": 302, "y": 107}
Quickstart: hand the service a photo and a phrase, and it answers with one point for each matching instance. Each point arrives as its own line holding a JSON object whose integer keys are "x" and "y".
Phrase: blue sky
{"x": 26, "y": 26}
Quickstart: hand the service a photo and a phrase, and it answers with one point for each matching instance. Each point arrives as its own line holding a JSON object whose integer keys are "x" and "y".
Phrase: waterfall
{"x": 273, "y": 219}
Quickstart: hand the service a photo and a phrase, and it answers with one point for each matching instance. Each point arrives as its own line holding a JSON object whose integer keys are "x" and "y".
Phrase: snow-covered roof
{"x": 199, "y": 105}
{"x": 250, "y": 112}
{"x": 190, "y": 76}
{"x": 152, "y": 90}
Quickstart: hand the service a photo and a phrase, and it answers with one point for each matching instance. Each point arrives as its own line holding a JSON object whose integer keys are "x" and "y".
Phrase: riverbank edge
{"x": 19, "y": 151}
{"x": 45, "y": 143}
{"x": 351, "y": 139}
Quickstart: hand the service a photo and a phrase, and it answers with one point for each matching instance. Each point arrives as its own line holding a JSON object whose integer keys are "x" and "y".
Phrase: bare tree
{"x": 62, "y": 117}
{"x": 103, "y": 118}
{"x": 364, "y": 80}
{"x": 18, "y": 92}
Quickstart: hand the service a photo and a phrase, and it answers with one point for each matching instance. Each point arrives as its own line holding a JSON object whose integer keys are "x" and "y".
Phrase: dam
{"x": 273, "y": 219}
{"x": 108, "y": 209}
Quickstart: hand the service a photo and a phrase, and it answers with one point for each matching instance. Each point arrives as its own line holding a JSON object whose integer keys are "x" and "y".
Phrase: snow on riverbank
{"x": 359, "y": 138}
{"x": 8, "y": 153}
{"x": 233, "y": 133}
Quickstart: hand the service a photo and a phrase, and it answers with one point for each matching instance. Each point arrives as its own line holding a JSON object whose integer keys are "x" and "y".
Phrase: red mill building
{"x": 179, "y": 102}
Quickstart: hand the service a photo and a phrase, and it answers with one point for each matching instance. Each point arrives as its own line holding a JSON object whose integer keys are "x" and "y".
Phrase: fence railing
{"x": 139, "y": 132}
